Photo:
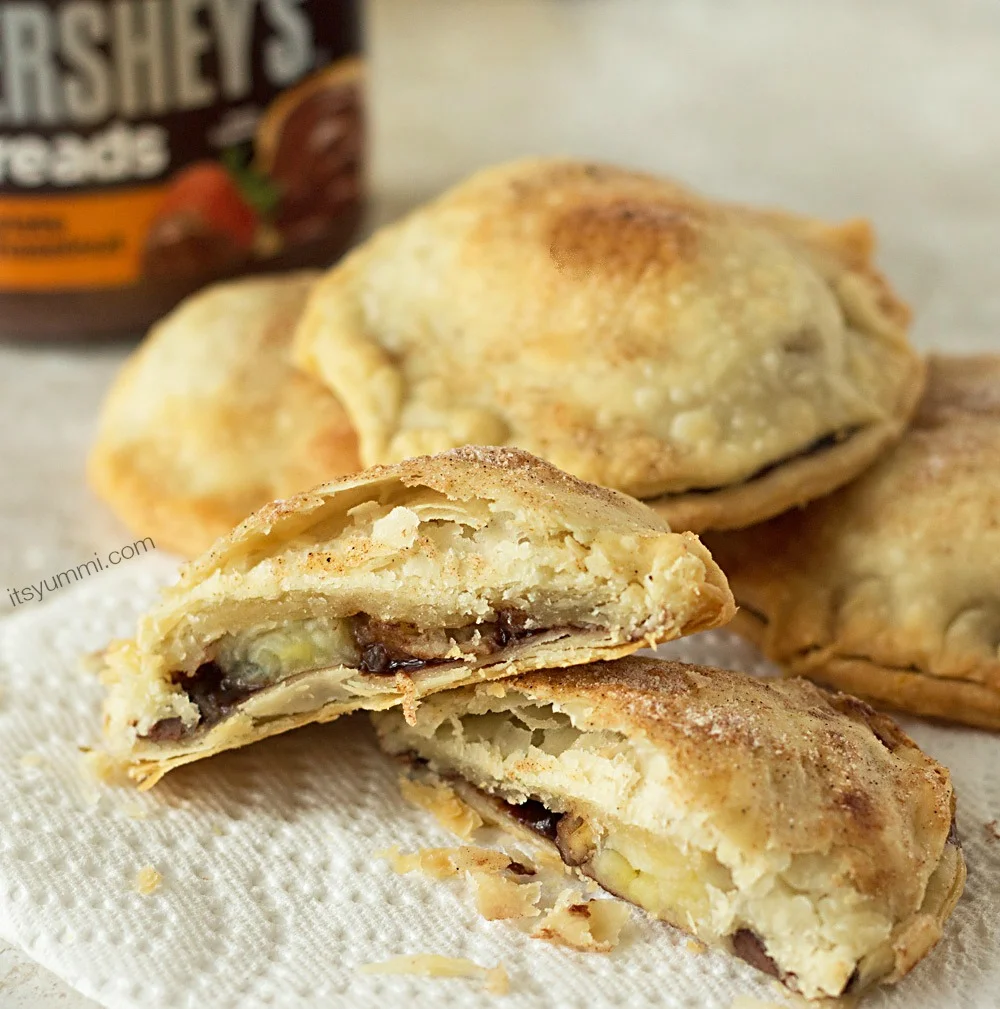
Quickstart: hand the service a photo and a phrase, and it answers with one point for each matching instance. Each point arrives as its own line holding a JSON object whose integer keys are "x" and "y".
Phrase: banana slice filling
{"x": 241, "y": 665}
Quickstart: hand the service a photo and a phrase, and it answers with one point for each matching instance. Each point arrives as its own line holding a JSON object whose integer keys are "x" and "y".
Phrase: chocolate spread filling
{"x": 819, "y": 445}
{"x": 385, "y": 649}
{"x": 213, "y": 694}
{"x": 511, "y": 625}
{"x": 750, "y": 947}
{"x": 166, "y": 730}
{"x": 535, "y": 817}
{"x": 852, "y": 982}
{"x": 388, "y": 648}
{"x": 953, "y": 836}
{"x": 380, "y": 653}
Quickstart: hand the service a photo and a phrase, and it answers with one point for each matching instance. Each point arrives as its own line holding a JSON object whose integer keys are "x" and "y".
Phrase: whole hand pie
{"x": 890, "y": 588}
{"x": 208, "y": 419}
{"x": 722, "y": 363}
{"x": 380, "y": 589}
{"x": 799, "y": 829}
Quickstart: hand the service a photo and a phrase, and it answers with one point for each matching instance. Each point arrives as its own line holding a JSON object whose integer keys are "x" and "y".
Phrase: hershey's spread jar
{"x": 148, "y": 147}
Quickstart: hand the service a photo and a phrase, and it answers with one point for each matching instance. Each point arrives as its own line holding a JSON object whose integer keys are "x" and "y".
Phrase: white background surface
{"x": 837, "y": 108}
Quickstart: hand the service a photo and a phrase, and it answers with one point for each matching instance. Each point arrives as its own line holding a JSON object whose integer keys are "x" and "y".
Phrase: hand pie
{"x": 891, "y": 587}
{"x": 208, "y": 420}
{"x": 377, "y": 590}
{"x": 797, "y": 828}
{"x": 722, "y": 363}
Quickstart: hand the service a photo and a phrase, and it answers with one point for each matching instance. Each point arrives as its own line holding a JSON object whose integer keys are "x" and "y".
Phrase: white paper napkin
{"x": 271, "y": 891}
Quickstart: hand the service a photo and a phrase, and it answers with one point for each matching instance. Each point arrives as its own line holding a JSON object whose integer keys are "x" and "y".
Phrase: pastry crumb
{"x": 695, "y": 946}
{"x": 103, "y": 768}
{"x": 136, "y": 812}
{"x": 440, "y": 863}
{"x": 92, "y": 663}
{"x": 147, "y": 880}
{"x": 432, "y": 965}
{"x": 499, "y": 898}
{"x": 591, "y": 926}
{"x": 499, "y": 895}
{"x": 496, "y": 980}
{"x": 449, "y": 810}
{"x": 992, "y": 830}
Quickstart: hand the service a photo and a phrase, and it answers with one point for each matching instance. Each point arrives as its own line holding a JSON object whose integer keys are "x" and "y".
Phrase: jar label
{"x": 172, "y": 140}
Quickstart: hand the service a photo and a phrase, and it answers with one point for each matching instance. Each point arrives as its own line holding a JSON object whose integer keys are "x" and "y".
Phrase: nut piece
{"x": 591, "y": 926}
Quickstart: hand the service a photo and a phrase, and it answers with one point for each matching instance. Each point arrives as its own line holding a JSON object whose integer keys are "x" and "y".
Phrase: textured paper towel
{"x": 271, "y": 893}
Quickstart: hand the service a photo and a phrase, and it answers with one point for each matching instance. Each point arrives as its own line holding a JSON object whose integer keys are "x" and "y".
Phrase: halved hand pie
{"x": 890, "y": 588}
{"x": 800, "y": 829}
{"x": 722, "y": 363}
{"x": 402, "y": 581}
{"x": 208, "y": 419}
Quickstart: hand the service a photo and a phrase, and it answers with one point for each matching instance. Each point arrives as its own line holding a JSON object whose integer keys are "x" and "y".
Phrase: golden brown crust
{"x": 434, "y": 544}
{"x": 732, "y": 732}
{"x": 208, "y": 419}
{"x": 890, "y": 588}
{"x": 463, "y": 474}
{"x": 685, "y": 351}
